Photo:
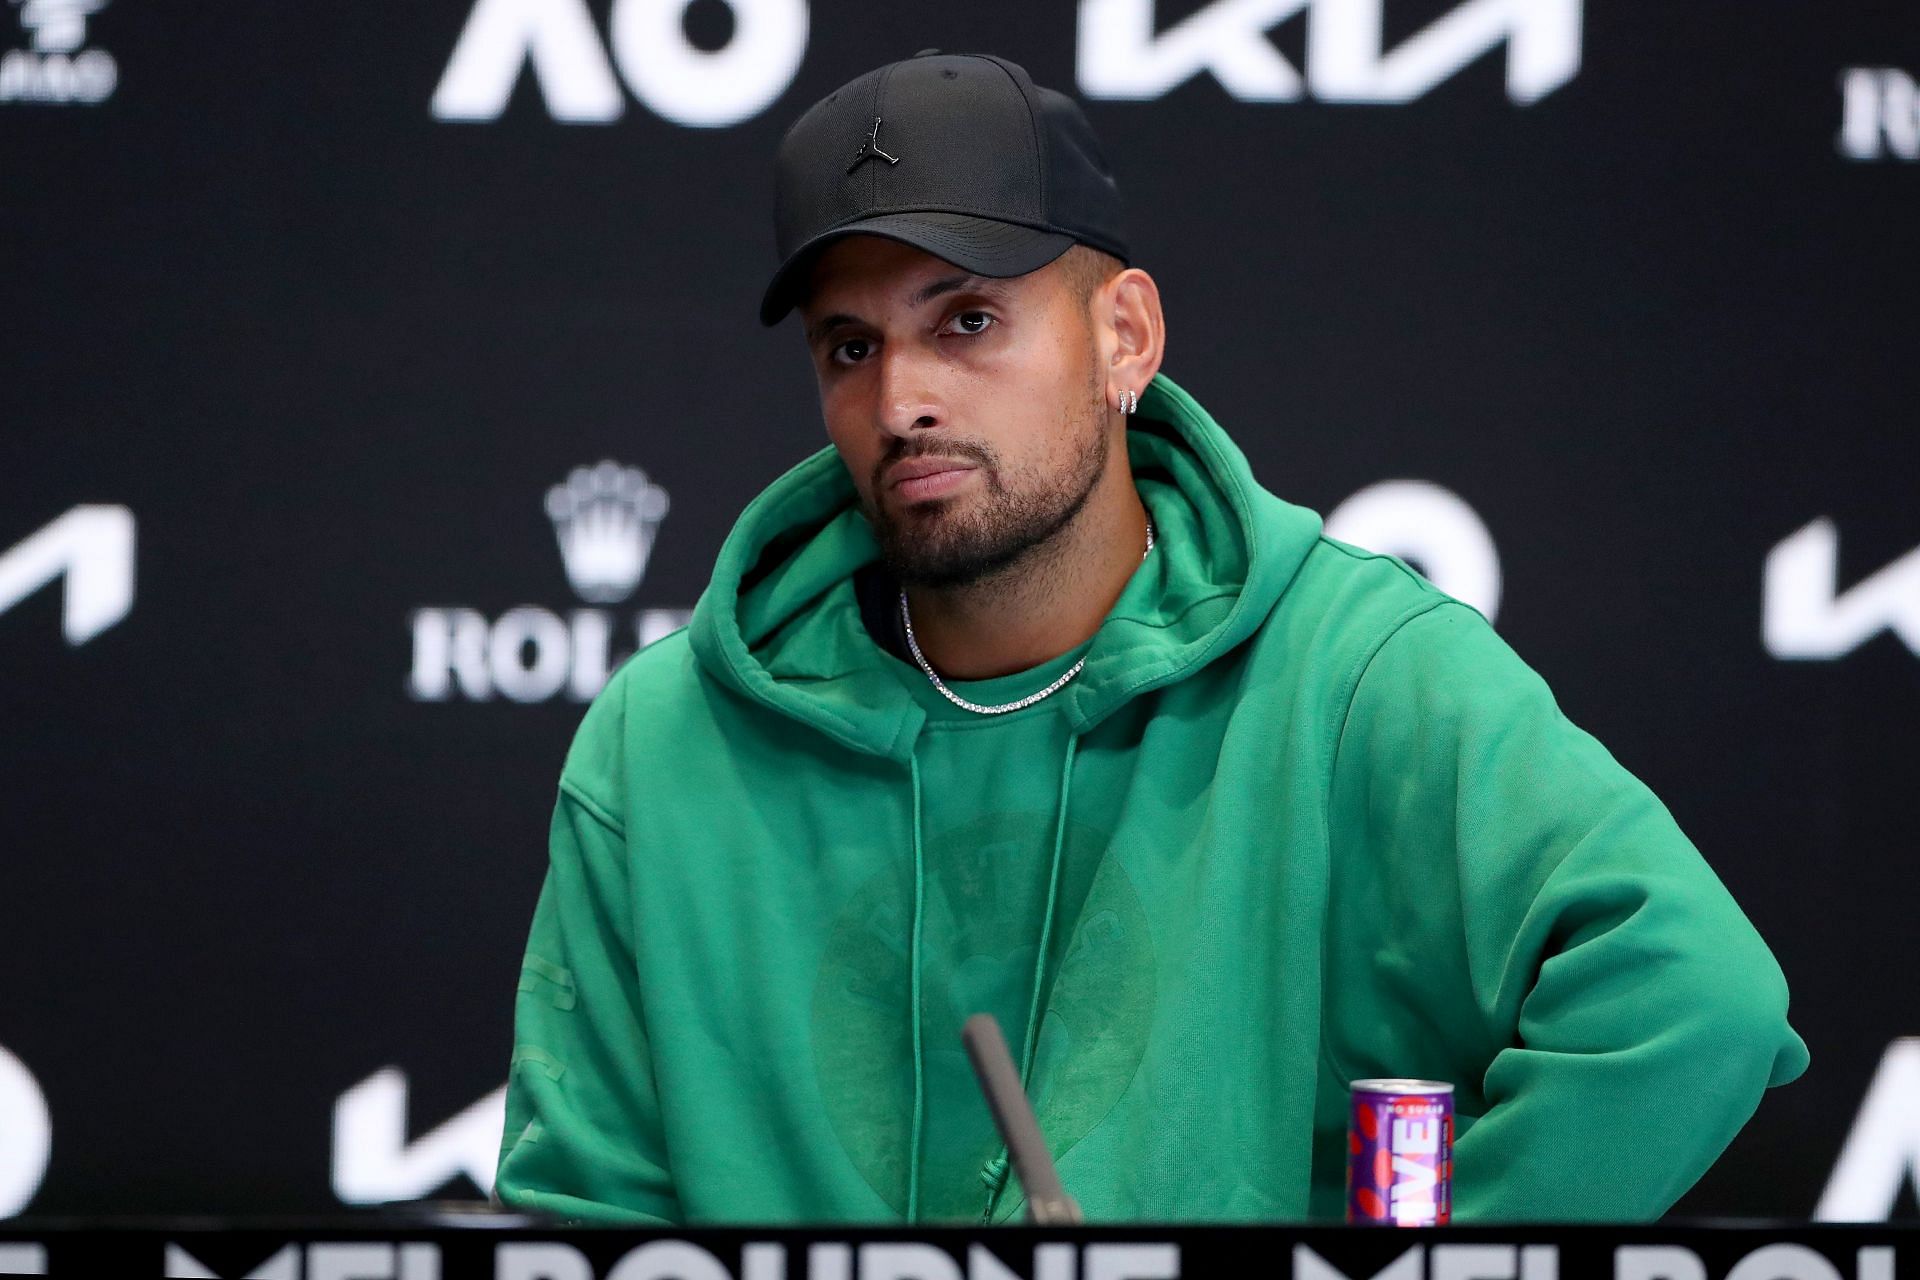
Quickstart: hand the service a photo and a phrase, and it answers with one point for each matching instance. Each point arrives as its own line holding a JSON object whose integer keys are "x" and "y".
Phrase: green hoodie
{"x": 1301, "y": 819}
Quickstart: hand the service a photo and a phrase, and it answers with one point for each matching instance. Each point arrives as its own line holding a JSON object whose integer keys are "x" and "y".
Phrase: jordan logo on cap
{"x": 870, "y": 148}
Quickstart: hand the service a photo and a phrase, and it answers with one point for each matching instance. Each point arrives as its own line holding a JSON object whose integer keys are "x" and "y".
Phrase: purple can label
{"x": 1400, "y": 1153}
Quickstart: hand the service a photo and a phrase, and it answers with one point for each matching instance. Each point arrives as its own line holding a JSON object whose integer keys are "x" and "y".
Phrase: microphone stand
{"x": 1048, "y": 1203}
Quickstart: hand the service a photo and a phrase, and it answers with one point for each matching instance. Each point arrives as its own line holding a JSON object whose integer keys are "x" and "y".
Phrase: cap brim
{"x": 982, "y": 246}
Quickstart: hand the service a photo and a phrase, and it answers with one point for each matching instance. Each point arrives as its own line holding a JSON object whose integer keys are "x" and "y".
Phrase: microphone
{"x": 1048, "y": 1203}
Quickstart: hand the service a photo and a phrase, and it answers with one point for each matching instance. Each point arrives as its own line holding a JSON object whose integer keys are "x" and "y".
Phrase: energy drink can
{"x": 1400, "y": 1153}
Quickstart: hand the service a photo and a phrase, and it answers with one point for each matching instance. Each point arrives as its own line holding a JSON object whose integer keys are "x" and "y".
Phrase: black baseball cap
{"x": 959, "y": 154}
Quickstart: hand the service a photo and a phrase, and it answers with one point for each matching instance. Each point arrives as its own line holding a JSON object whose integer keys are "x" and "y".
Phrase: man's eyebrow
{"x": 825, "y": 325}
{"x": 946, "y": 284}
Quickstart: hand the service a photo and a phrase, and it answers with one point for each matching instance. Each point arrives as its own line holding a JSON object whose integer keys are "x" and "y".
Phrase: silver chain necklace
{"x": 1004, "y": 707}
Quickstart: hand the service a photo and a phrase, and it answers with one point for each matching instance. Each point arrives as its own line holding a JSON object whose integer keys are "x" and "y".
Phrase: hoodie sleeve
{"x": 1614, "y": 1011}
{"x": 583, "y": 1138}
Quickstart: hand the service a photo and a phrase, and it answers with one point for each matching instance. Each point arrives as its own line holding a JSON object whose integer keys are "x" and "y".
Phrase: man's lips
{"x": 926, "y": 477}
{"x": 915, "y": 468}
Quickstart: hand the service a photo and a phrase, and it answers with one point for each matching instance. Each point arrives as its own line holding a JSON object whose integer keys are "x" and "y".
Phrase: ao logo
{"x": 1431, "y": 528}
{"x": 26, "y": 1135}
{"x": 685, "y": 84}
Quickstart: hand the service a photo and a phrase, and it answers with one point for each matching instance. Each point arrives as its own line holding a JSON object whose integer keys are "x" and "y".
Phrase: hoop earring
{"x": 1129, "y": 401}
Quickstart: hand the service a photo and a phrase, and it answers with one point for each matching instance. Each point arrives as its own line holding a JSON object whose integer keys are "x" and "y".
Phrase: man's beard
{"x": 939, "y": 544}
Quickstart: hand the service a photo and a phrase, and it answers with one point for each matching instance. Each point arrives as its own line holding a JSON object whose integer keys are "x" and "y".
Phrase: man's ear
{"x": 1128, "y": 307}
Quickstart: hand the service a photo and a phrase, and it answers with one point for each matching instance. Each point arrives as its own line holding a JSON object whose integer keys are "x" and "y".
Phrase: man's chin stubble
{"x": 1023, "y": 537}
{"x": 935, "y": 547}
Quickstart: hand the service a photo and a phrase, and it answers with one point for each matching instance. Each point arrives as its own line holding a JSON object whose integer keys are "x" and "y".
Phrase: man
{"x": 1026, "y": 698}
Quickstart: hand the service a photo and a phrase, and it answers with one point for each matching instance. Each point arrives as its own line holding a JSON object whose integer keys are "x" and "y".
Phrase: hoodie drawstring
{"x": 995, "y": 1173}
{"x": 913, "y": 986}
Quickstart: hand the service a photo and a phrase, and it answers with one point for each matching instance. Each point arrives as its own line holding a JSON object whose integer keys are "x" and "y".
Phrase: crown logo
{"x": 605, "y": 517}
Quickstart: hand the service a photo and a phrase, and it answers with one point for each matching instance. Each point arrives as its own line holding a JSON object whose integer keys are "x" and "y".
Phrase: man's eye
{"x": 972, "y": 321}
{"x": 852, "y": 351}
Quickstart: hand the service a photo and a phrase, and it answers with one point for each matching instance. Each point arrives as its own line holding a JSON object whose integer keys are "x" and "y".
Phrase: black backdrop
{"x": 297, "y": 360}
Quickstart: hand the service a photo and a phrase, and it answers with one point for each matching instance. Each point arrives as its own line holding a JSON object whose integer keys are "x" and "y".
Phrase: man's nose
{"x": 908, "y": 398}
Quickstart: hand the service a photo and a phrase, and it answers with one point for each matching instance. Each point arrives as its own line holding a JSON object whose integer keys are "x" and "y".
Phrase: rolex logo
{"x": 57, "y": 66}
{"x": 605, "y": 517}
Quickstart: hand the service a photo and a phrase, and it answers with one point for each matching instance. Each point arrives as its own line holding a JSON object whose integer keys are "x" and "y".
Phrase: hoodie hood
{"x": 779, "y": 622}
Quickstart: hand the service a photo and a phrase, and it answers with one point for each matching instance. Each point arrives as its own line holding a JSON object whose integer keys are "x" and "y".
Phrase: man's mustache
{"x": 923, "y": 447}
